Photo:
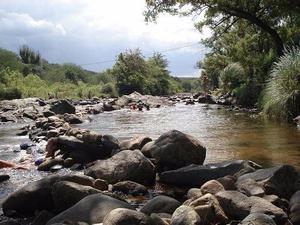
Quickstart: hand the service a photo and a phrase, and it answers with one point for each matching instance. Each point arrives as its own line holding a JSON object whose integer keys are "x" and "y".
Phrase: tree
{"x": 29, "y": 56}
{"x": 221, "y": 15}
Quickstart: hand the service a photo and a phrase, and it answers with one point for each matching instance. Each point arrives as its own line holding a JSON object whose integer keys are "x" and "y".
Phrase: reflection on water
{"x": 227, "y": 135}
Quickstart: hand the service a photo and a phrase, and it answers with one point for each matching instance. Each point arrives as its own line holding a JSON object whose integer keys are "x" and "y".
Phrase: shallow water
{"x": 226, "y": 134}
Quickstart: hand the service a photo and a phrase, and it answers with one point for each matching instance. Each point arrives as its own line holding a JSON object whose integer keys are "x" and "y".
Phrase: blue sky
{"x": 87, "y": 31}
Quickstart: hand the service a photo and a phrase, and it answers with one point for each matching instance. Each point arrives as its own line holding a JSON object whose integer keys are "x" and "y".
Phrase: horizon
{"x": 86, "y": 33}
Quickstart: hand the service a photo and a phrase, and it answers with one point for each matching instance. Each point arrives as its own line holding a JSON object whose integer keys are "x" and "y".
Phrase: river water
{"x": 226, "y": 134}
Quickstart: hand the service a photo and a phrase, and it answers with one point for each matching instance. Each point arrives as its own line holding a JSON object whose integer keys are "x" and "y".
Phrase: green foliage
{"x": 109, "y": 89}
{"x": 282, "y": 93}
{"x": 10, "y": 60}
{"x": 231, "y": 77}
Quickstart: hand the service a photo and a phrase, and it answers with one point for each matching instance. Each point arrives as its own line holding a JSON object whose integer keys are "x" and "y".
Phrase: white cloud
{"x": 16, "y": 24}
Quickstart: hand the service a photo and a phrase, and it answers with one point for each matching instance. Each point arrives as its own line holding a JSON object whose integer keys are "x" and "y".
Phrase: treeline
{"x": 27, "y": 74}
{"x": 254, "y": 57}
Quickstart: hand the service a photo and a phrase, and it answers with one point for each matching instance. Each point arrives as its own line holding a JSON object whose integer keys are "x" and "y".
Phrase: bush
{"x": 109, "y": 89}
{"x": 282, "y": 93}
{"x": 10, "y": 93}
{"x": 231, "y": 77}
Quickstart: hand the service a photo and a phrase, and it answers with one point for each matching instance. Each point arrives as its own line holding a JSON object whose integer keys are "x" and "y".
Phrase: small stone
{"x": 100, "y": 184}
{"x": 212, "y": 187}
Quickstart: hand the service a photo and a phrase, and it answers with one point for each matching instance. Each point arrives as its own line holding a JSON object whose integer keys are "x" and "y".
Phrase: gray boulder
{"x": 196, "y": 175}
{"x": 127, "y": 216}
{"x": 237, "y": 206}
{"x": 125, "y": 165}
{"x": 175, "y": 149}
{"x": 280, "y": 180}
{"x": 62, "y": 107}
{"x": 160, "y": 204}
{"x": 65, "y": 194}
{"x": 130, "y": 187}
{"x": 91, "y": 209}
{"x": 258, "y": 219}
{"x": 294, "y": 208}
{"x": 185, "y": 215}
{"x": 37, "y": 195}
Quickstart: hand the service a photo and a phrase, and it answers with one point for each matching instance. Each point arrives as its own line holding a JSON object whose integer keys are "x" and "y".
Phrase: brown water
{"x": 226, "y": 134}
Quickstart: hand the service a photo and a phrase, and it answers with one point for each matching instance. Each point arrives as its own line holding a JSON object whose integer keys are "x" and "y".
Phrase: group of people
{"x": 139, "y": 106}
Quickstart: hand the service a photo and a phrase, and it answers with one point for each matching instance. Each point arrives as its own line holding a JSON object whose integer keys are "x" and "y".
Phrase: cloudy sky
{"x": 88, "y": 31}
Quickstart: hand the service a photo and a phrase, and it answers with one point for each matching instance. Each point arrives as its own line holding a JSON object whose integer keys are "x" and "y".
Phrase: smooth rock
{"x": 101, "y": 184}
{"x": 258, "y": 219}
{"x": 146, "y": 150}
{"x": 65, "y": 194}
{"x": 212, "y": 187}
{"x": 280, "y": 180}
{"x": 62, "y": 107}
{"x": 135, "y": 143}
{"x": 237, "y": 206}
{"x": 160, "y": 204}
{"x": 91, "y": 209}
{"x": 49, "y": 163}
{"x": 125, "y": 165}
{"x": 127, "y": 216}
{"x": 175, "y": 149}
{"x": 72, "y": 119}
{"x": 130, "y": 187}
{"x": 294, "y": 208}
{"x": 194, "y": 193}
{"x": 196, "y": 175}
{"x": 185, "y": 215}
{"x": 250, "y": 188}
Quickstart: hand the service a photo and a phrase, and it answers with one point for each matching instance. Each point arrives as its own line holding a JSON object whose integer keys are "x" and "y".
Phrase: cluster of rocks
{"x": 231, "y": 192}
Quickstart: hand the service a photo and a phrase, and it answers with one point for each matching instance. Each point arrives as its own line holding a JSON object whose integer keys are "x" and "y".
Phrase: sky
{"x": 88, "y": 31}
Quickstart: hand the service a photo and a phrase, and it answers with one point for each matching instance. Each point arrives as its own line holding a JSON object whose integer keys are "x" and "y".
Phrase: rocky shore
{"x": 137, "y": 181}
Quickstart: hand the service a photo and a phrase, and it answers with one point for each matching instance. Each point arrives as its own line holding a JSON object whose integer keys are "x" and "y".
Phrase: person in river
{"x": 7, "y": 164}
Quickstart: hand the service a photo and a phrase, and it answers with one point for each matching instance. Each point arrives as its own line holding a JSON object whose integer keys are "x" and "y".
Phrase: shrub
{"x": 282, "y": 93}
{"x": 10, "y": 93}
{"x": 231, "y": 77}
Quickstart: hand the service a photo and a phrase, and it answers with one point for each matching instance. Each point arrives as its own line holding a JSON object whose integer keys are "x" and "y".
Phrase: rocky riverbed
{"x": 93, "y": 178}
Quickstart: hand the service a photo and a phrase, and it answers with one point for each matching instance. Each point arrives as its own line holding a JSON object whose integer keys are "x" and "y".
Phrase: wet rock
{"x": 228, "y": 182}
{"x": 48, "y": 113}
{"x": 146, "y": 150}
{"x": 125, "y": 165}
{"x": 48, "y": 163}
{"x": 4, "y": 177}
{"x": 5, "y": 117}
{"x": 42, "y": 218}
{"x": 127, "y": 216}
{"x": 91, "y": 209}
{"x": 72, "y": 119}
{"x": 160, "y": 204}
{"x": 250, "y": 188}
{"x": 158, "y": 220}
{"x": 185, "y": 215}
{"x": 33, "y": 115}
{"x": 130, "y": 187}
{"x": 66, "y": 193}
{"x": 175, "y": 149}
{"x": 37, "y": 195}
{"x": 294, "y": 208}
{"x": 52, "y": 133}
{"x": 135, "y": 143}
{"x": 209, "y": 209}
{"x": 196, "y": 175}
{"x": 237, "y": 206}
{"x": 280, "y": 180}
{"x": 212, "y": 187}
{"x": 62, "y": 107}
{"x": 110, "y": 107}
{"x": 194, "y": 193}
{"x": 100, "y": 184}
{"x": 258, "y": 219}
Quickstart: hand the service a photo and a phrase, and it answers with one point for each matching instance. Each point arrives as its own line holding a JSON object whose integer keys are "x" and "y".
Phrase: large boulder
{"x": 160, "y": 204}
{"x": 294, "y": 208}
{"x": 196, "y": 175}
{"x": 127, "y": 216}
{"x": 282, "y": 181}
{"x": 175, "y": 149}
{"x": 62, "y": 107}
{"x": 65, "y": 194}
{"x": 185, "y": 215}
{"x": 37, "y": 195}
{"x": 125, "y": 165}
{"x": 91, "y": 209}
{"x": 237, "y": 206}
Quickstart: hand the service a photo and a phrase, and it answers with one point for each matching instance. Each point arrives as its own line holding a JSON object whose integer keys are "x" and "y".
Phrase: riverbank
{"x": 136, "y": 202}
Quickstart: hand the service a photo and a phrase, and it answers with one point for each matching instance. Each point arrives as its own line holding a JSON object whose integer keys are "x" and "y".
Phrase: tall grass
{"x": 282, "y": 93}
